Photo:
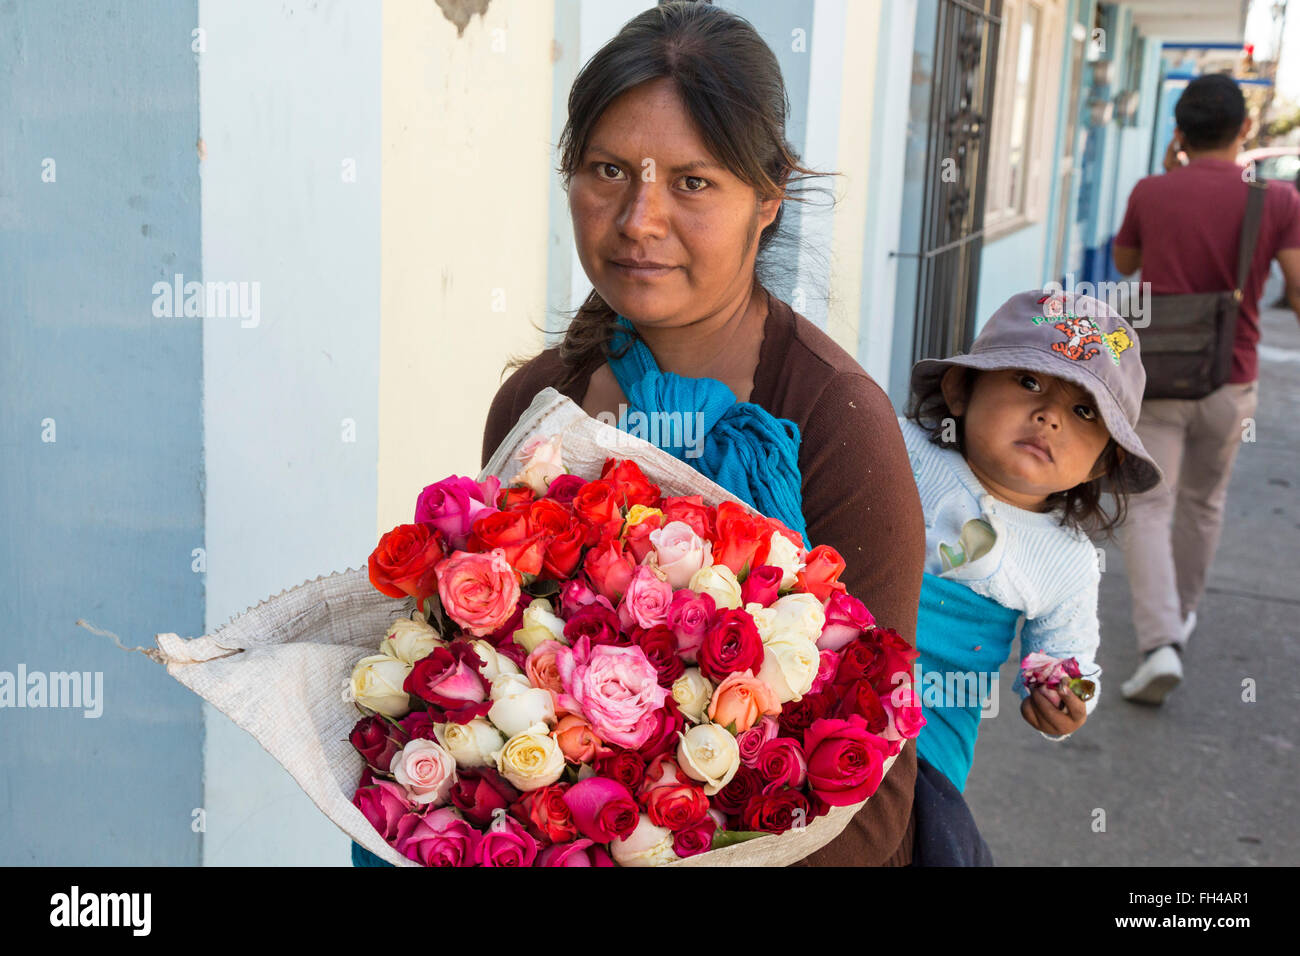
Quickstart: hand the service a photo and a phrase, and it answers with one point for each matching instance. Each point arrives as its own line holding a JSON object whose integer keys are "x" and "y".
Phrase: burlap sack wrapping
{"x": 281, "y": 669}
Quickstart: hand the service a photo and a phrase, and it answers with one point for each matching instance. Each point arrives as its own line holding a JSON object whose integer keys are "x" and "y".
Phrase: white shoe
{"x": 1189, "y": 625}
{"x": 1155, "y": 677}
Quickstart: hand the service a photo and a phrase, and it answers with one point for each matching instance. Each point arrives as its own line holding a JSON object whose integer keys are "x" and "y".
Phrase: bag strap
{"x": 1249, "y": 234}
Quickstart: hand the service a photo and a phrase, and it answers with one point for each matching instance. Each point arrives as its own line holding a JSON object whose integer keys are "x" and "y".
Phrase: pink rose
{"x": 1047, "y": 672}
{"x": 645, "y": 603}
{"x": 565, "y": 488}
{"x": 695, "y": 839}
{"x": 453, "y": 504}
{"x": 543, "y": 671}
{"x": 450, "y": 679}
{"x": 602, "y": 809}
{"x": 903, "y": 708}
{"x": 479, "y": 591}
{"x": 581, "y": 852}
{"x": 438, "y": 838}
{"x": 830, "y": 662}
{"x": 615, "y": 688}
{"x": 383, "y": 804}
{"x": 426, "y": 770}
{"x": 751, "y": 741}
{"x": 845, "y": 760}
{"x": 846, "y": 618}
{"x": 690, "y": 616}
{"x": 762, "y": 585}
{"x": 506, "y": 843}
{"x": 577, "y": 594}
{"x": 680, "y": 552}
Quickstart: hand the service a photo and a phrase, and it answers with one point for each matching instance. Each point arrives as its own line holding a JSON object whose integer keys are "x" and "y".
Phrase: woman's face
{"x": 646, "y": 189}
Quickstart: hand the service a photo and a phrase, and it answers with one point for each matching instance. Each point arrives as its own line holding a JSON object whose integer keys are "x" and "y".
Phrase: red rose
{"x": 692, "y": 510}
{"x": 450, "y": 679}
{"x": 377, "y": 739}
{"x": 546, "y": 815}
{"x": 595, "y": 504}
{"x": 597, "y": 623}
{"x": 582, "y": 852}
{"x": 511, "y": 532}
{"x": 861, "y": 698}
{"x": 402, "y": 563}
{"x": 565, "y": 488}
{"x": 743, "y": 538}
{"x": 797, "y": 716}
{"x": 660, "y": 646}
{"x": 419, "y": 725}
{"x": 762, "y": 585}
{"x": 515, "y": 497}
{"x": 479, "y": 792}
{"x": 895, "y": 656}
{"x": 676, "y": 806}
{"x": 663, "y": 739}
{"x": 776, "y": 812}
{"x": 732, "y": 644}
{"x": 732, "y": 798}
{"x": 609, "y": 569}
{"x": 821, "y": 574}
{"x": 781, "y": 763}
{"x": 622, "y": 765}
{"x": 857, "y": 660}
{"x": 564, "y": 536}
{"x": 845, "y": 760}
{"x": 636, "y": 539}
{"x": 695, "y": 839}
{"x": 602, "y": 809}
{"x": 631, "y": 487}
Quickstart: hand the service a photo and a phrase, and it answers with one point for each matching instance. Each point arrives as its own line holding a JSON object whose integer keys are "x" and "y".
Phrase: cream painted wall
{"x": 467, "y": 163}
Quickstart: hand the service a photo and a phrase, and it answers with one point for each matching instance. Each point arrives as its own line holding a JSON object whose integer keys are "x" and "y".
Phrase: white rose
{"x": 647, "y": 845}
{"x": 542, "y": 464}
{"x": 531, "y": 760}
{"x": 786, "y": 555}
{"x": 708, "y": 753}
{"x": 764, "y": 620}
{"x": 799, "y": 614}
{"x": 410, "y": 640}
{"x": 539, "y": 625}
{"x": 790, "y": 664}
{"x": 377, "y": 685}
{"x": 680, "y": 552}
{"x": 692, "y": 692}
{"x": 426, "y": 770}
{"x": 472, "y": 744}
{"x": 517, "y": 705}
{"x": 719, "y": 582}
{"x": 494, "y": 664}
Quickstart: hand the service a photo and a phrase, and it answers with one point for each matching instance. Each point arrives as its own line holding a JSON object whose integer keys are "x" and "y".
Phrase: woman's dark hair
{"x": 731, "y": 85}
{"x": 1210, "y": 111}
{"x": 1083, "y": 504}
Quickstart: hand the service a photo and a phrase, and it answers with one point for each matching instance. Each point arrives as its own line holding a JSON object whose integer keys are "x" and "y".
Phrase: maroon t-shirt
{"x": 1187, "y": 222}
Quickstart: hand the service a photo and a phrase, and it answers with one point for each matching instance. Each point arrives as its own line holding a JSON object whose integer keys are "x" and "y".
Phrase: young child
{"x": 1012, "y": 446}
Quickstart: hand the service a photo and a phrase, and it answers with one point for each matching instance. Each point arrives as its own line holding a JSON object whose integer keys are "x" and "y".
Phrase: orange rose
{"x": 821, "y": 575}
{"x": 740, "y": 700}
{"x": 577, "y": 740}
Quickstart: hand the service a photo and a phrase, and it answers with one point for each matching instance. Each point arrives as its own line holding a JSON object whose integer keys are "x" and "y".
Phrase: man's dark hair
{"x": 1210, "y": 111}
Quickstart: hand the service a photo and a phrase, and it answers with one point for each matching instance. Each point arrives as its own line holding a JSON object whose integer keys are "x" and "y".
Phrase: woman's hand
{"x": 1041, "y": 714}
{"x": 1174, "y": 156}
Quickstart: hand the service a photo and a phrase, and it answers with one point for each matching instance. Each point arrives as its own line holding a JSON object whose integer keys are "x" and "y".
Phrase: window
{"x": 1024, "y": 114}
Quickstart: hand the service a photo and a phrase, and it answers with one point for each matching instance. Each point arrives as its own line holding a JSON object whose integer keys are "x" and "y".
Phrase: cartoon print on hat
{"x": 1080, "y": 332}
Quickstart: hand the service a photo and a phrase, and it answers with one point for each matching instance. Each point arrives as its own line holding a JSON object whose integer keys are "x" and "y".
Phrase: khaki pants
{"x": 1172, "y": 530}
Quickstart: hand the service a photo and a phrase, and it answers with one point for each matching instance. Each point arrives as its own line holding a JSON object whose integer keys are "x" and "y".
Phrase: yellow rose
{"x": 532, "y": 759}
{"x": 638, "y": 513}
{"x": 377, "y": 685}
{"x": 539, "y": 625}
{"x": 719, "y": 582}
{"x": 410, "y": 640}
{"x": 692, "y": 692}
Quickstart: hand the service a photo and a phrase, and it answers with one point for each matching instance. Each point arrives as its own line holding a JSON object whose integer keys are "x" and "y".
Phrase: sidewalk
{"x": 1205, "y": 779}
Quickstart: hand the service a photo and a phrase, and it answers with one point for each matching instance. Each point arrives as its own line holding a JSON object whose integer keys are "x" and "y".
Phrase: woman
{"x": 676, "y": 167}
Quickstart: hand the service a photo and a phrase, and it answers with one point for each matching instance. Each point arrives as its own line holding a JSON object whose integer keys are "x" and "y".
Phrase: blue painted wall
{"x": 99, "y": 523}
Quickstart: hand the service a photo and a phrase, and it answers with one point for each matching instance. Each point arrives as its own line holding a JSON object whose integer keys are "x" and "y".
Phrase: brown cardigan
{"x": 859, "y": 496}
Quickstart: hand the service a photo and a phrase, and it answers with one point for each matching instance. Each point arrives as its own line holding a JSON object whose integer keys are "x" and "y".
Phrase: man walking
{"x": 1182, "y": 229}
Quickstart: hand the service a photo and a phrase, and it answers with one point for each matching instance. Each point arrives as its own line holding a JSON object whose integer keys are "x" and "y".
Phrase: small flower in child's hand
{"x": 1051, "y": 673}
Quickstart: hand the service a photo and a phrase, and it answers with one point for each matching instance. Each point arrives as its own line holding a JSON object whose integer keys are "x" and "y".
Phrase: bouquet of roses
{"x": 596, "y": 673}
{"x": 1049, "y": 673}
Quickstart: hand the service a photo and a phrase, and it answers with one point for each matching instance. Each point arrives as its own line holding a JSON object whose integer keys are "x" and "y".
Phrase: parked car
{"x": 1272, "y": 162}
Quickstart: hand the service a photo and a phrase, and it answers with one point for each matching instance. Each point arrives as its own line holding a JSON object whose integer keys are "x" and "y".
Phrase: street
{"x": 1207, "y": 778}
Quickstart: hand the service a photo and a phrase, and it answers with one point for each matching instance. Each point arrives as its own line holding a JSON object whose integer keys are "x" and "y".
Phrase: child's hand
{"x": 1041, "y": 714}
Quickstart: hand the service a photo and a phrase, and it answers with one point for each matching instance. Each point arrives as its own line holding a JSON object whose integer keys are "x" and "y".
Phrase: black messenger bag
{"x": 1187, "y": 347}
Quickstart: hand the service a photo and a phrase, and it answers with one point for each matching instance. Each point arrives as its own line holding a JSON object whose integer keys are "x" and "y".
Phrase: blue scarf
{"x": 745, "y": 448}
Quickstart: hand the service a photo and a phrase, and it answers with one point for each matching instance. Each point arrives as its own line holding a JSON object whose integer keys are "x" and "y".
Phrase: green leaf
{"x": 724, "y": 838}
